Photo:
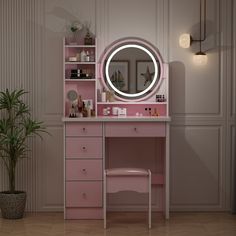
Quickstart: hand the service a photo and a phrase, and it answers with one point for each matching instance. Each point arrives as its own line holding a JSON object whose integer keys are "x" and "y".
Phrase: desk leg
{"x": 167, "y": 172}
{"x": 104, "y": 200}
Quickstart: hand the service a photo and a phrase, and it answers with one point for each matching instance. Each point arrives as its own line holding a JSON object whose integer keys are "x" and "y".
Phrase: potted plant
{"x": 16, "y": 126}
{"x": 74, "y": 28}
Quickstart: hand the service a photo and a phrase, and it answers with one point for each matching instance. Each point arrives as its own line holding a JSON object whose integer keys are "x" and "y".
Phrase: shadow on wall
{"x": 194, "y": 168}
{"x": 177, "y": 76}
{"x": 210, "y": 42}
{"x": 234, "y": 177}
{"x": 60, "y": 20}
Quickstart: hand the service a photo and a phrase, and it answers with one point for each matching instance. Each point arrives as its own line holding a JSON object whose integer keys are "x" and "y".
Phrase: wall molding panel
{"x": 232, "y": 122}
{"x": 51, "y": 181}
{"x": 21, "y": 67}
{"x": 196, "y": 167}
{"x": 149, "y": 21}
{"x": 190, "y": 85}
{"x": 184, "y": 116}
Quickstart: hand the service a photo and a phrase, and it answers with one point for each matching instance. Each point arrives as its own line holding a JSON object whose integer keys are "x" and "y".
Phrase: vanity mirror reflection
{"x": 132, "y": 68}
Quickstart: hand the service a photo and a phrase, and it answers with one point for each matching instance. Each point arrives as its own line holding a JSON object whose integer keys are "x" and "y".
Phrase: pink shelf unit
{"x": 79, "y": 74}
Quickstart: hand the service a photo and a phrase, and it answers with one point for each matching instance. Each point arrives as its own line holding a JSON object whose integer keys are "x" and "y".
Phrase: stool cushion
{"x": 126, "y": 172}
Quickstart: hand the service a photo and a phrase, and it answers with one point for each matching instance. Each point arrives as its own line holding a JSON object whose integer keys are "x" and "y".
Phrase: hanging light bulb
{"x": 185, "y": 40}
{"x": 200, "y": 58}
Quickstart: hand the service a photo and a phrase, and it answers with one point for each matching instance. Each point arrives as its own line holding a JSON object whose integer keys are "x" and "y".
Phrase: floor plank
{"x": 122, "y": 224}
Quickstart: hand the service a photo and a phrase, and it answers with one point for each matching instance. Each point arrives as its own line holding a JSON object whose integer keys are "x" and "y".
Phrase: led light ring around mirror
{"x": 137, "y": 41}
{"x": 155, "y": 67}
{"x": 127, "y": 94}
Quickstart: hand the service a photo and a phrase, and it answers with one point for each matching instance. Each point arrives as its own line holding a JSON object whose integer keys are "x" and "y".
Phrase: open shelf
{"x": 79, "y": 46}
{"x": 127, "y": 103}
{"x": 79, "y": 80}
{"x": 79, "y": 63}
{"x": 74, "y": 73}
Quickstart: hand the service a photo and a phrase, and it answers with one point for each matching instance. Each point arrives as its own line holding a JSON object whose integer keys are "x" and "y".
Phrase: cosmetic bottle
{"x": 83, "y": 55}
{"x": 87, "y": 57}
{"x": 104, "y": 95}
{"x": 92, "y": 56}
{"x": 78, "y": 56}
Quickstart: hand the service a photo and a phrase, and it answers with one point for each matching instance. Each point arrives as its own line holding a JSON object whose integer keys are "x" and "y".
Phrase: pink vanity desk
{"x": 85, "y": 159}
{"x": 95, "y": 143}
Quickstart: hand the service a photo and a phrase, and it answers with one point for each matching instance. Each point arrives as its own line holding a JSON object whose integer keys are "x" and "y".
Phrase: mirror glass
{"x": 132, "y": 70}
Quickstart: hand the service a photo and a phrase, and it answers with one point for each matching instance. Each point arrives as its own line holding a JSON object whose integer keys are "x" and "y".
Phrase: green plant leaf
{"x": 16, "y": 126}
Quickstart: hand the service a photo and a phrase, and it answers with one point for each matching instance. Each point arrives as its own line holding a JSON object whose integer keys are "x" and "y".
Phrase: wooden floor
{"x": 122, "y": 224}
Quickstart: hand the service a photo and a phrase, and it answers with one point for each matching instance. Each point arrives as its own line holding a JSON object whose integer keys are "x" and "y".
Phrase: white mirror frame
{"x": 135, "y": 43}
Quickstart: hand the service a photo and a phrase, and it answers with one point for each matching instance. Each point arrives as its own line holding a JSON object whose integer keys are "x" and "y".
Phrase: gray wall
{"x": 202, "y": 98}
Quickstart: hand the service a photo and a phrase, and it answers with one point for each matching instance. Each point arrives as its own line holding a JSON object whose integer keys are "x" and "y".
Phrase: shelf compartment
{"x": 132, "y": 108}
{"x": 130, "y": 103}
{"x": 79, "y": 80}
{"x": 79, "y": 46}
{"x": 84, "y": 88}
{"x": 79, "y": 63}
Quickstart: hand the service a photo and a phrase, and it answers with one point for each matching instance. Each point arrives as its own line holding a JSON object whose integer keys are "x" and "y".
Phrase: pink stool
{"x": 127, "y": 179}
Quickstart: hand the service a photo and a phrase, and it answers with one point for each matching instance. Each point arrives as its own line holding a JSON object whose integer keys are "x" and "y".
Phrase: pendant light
{"x": 185, "y": 40}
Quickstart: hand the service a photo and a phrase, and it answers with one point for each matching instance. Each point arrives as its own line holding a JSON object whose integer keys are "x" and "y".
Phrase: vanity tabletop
{"x": 118, "y": 119}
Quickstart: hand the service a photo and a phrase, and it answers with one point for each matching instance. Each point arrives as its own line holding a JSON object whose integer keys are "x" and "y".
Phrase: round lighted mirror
{"x": 132, "y": 69}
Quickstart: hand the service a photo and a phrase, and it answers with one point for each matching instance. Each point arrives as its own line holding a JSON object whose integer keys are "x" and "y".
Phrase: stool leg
{"x": 105, "y": 201}
{"x": 149, "y": 200}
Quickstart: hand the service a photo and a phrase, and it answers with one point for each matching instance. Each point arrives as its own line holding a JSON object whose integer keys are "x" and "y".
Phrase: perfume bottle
{"x": 78, "y": 56}
{"x": 80, "y": 104}
{"x": 83, "y": 55}
{"x": 72, "y": 113}
{"x": 92, "y": 56}
{"x": 87, "y": 57}
{"x": 88, "y": 40}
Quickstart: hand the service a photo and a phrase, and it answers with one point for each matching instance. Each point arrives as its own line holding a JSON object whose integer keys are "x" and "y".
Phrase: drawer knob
{"x": 84, "y": 148}
{"x": 84, "y": 129}
{"x": 135, "y": 129}
{"x": 84, "y": 171}
{"x": 84, "y": 195}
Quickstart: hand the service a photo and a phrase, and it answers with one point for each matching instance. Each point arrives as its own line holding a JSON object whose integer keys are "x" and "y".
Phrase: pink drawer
{"x": 83, "y": 147}
{"x": 135, "y": 129}
{"x": 83, "y": 169}
{"x": 84, "y": 194}
{"x": 83, "y": 129}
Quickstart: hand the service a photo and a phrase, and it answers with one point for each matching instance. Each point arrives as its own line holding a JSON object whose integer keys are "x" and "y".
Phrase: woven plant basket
{"x": 12, "y": 204}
